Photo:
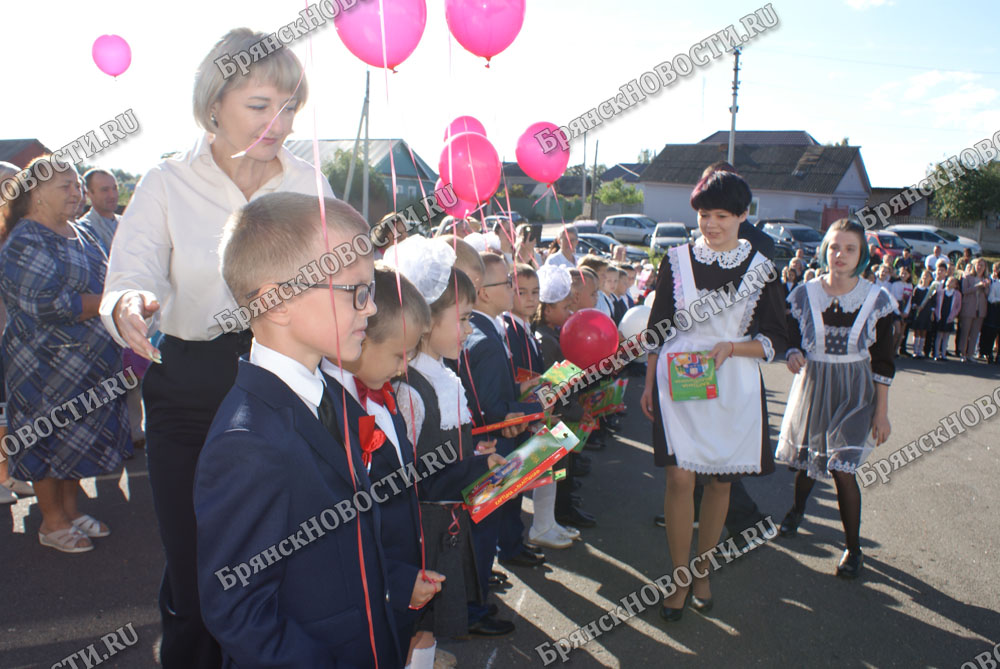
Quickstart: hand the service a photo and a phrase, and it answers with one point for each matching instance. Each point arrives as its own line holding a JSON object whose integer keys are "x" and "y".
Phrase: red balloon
{"x": 587, "y": 337}
{"x": 472, "y": 166}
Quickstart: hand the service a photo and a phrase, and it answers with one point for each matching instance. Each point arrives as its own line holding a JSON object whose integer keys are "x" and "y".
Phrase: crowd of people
{"x": 250, "y": 436}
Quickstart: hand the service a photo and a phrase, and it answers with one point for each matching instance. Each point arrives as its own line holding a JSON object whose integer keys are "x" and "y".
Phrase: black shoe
{"x": 701, "y": 605}
{"x": 660, "y": 520}
{"x": 670, "y": 615}
{"x": 534, "y": 550}
{"x": 492, "y": 610}
{"x": 576, "y": 518}
{"x": 578, "y": 470}
{"x": 498, "y": 582}
{"x": 490, "y": 626}
{"x": 790, "y": 525}
{"x": 575, "y": 500}
{"x": 523, "y": 559}
{"x": 850, "y": 564}
{"x": 499, "y": 576}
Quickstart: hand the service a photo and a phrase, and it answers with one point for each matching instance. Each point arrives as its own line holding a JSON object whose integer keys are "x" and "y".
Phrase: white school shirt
{"x": 558, "y": 258}
{"x": 167, "y": 241}
{"x": 309, "y": 386}
{"x": 604, "y": 304}
{"x": 382, "y": 416}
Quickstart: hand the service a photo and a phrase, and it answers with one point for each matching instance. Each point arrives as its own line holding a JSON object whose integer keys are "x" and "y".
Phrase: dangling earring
{"x": 214, "y": 122}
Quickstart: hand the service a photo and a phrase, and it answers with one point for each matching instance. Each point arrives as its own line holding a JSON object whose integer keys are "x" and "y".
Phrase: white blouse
{"x": 168, "y": 239}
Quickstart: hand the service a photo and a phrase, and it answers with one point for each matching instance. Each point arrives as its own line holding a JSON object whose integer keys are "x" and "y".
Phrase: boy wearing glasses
{"x": 488, "y": 376}
{"x": 277, "y": 461}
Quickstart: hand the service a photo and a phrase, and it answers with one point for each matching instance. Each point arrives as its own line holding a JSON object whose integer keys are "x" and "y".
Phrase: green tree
{"x": 379, "y": 197}
{"x": 577, "y": 170}
{"x": 618, "y": 192}
{"x": 971, "y": 196}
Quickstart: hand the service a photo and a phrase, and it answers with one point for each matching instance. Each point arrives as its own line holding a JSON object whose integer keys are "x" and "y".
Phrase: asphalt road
{"x": 929, "y": 596}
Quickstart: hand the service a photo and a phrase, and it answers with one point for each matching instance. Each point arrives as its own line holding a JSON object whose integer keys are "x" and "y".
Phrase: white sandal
{"x": 20, "y": 488}
{"x": 90, "y": 526}
{"x": 66, "y": 540}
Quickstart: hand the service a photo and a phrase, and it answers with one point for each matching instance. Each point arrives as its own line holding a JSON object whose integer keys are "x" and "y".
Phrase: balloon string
{"x": 343, "y": 387}
{"x": 420, "y": 182}
{"x": 458, "y": 338}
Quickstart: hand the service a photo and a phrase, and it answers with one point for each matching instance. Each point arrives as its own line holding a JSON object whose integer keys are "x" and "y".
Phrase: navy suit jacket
{"x": 489, "y": 383}
{"x": 523, "y": 348}
{"x": 269, "y": 466}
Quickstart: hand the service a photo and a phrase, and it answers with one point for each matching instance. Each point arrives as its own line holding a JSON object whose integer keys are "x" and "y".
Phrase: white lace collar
{"x": 725, "y": 259}
{"x": 448, "y": 388}
{"x": 848, "y": 302}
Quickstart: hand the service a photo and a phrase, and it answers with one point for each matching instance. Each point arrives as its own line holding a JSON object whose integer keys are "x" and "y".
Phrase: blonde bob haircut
{"x": 280, "y": 68}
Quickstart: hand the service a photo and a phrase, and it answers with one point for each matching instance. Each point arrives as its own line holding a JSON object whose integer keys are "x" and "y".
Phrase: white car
{"x": 669, "y": 234}
{"x": 923, "y": 238}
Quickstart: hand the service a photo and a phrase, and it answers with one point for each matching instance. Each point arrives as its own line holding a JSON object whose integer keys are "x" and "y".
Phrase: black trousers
{"x": 181, "y": 397}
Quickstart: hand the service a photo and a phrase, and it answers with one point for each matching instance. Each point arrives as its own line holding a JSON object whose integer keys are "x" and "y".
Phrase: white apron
{"x": 720, "y": 435}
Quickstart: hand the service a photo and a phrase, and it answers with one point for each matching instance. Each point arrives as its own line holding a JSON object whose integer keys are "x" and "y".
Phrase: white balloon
{"x": 634, "y": 321}
{"x": 649, "y": 298}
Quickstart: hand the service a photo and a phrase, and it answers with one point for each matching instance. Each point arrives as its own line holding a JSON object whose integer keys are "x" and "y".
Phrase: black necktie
{"x": 328, "y": 416}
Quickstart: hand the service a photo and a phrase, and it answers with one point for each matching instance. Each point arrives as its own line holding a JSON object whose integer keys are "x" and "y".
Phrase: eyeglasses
{"x": 362, "y": 291}
{"x": 509, "y": 283}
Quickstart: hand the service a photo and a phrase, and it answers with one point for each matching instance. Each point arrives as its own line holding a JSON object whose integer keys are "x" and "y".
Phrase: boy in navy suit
{"x": 486, "y": 371}
{"x": 524, "y": 350}
{"x": 291, "y": 569}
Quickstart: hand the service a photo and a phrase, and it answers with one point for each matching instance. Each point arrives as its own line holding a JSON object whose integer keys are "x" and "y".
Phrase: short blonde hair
{"x": 280, "y": 68}
{"x": 467, "y": 258}
{"x": 271, "y": 239}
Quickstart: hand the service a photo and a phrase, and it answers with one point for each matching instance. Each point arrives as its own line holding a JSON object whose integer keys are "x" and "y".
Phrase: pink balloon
{"x": 536, "y": 163}
{"x": 112, "y": 54}
{"x": 464, "y": 124}
{"x": 453, "y": 205}
{"x": 484, "y": 27}
{"x": 472, "y": 166}
{"x": 360, "y": 29}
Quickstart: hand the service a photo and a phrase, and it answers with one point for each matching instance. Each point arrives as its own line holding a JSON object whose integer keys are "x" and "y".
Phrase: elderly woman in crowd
{"x": 66, "y": 407}
{"x": 10, "y": 488}
{"x": 165, "y": 267}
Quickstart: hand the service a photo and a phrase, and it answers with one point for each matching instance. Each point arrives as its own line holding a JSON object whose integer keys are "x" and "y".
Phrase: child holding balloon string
{"x": 435, "y": 409}
{"x": 726, "y": 437}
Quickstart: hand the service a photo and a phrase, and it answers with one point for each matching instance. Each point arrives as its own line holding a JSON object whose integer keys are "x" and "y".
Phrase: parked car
{"x": 666, "y": 235}
{"x": 606, "y": 244}
{"x": 629, "y": 228}
{"x": 783, "y": 251}
{"x": 887, "y": 244}
{"x": 795, "y": 234}
{"x": 588, "y": 226}
{"x": 582, "y": 247}
{"x": 923, "y": 238}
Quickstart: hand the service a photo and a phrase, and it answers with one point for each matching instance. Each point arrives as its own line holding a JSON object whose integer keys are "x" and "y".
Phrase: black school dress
{"x": 447, "y": 527}
{"x": 764, "y": 320}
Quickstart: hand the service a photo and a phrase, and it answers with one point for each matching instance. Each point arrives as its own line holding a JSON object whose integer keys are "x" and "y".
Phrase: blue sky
{"x": 909, "y": 82}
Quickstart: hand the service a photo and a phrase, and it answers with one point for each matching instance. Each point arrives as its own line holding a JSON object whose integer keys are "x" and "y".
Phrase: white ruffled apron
{"x": 720, "y": 435}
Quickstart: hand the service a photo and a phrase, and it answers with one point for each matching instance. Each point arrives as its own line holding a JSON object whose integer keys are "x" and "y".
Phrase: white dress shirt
{"x": 168, "y": 239}
{"x": 527, "y": 328}
{"x": 559, "y": 259}
{"x": 604, "y": 304}
{"x": 307, "y": 385}
{"x": 382, "y": 416}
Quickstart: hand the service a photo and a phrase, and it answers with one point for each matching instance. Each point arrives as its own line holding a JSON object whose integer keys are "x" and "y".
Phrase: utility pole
{"x": 583, "y": 171}
{"x": 593, "y": 189}
{"x": 734, "y": 108}
{"x": 346, "y": 195}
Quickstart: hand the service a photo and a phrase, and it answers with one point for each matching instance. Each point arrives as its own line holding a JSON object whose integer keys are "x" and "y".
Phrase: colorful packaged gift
{"x": 526, "y": 463}
{"x": 692, "y": 376}
{"x": 556, "y": 375}
{"x": 608, "y": 397}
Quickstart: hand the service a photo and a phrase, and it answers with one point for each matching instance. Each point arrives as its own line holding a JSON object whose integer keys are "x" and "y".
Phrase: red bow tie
{"x": 371, "y": 437}
{"x": 382, "y": 396}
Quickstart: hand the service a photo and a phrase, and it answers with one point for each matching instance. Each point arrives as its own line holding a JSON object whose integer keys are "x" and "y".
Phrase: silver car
{"x": 634, "y": 228}
{"x": 669, "y": 234}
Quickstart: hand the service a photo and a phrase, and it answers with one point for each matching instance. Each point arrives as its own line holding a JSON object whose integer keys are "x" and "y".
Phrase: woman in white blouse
{"x": 163, "y": 274}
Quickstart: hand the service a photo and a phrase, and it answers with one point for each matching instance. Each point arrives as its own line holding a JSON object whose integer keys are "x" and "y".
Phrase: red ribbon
{"x": 371, "y": 439}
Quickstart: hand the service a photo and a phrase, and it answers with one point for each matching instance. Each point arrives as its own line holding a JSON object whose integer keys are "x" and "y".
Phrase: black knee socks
{"x": 849, "y": 500}
{"x": 803, "y": 486}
